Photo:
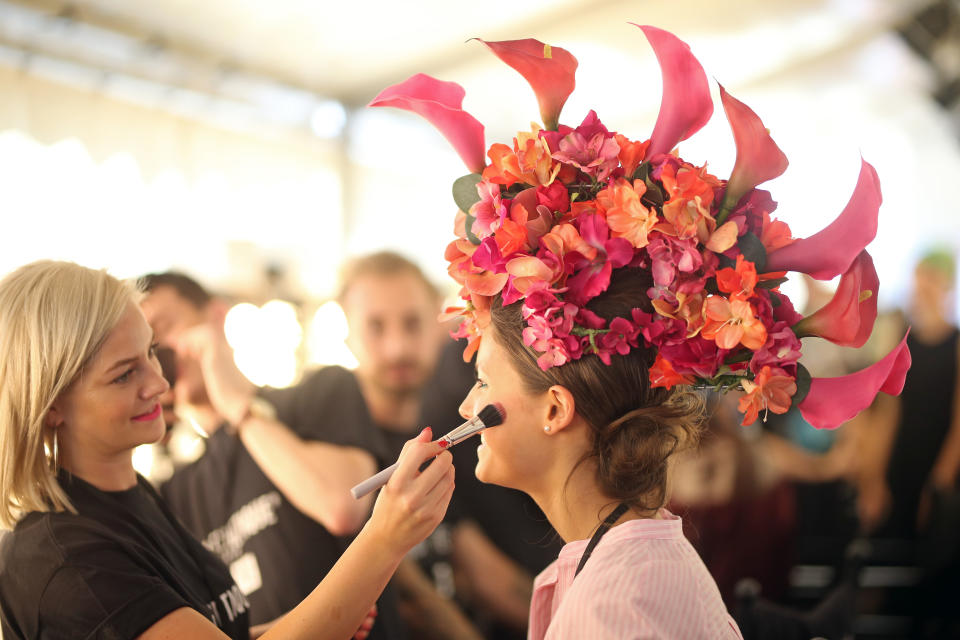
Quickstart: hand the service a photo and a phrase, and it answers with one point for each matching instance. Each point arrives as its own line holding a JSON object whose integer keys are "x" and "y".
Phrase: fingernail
{"x": 428, "y": 431}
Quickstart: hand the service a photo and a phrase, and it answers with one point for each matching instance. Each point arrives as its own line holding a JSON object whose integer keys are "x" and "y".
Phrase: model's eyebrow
{"x": 122, "y": 363}
{"x": 128, "y": 361}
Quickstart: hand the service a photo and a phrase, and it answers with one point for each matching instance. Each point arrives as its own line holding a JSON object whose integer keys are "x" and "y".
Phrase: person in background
{"x": 270, "y": 494}
{"x": 907, "y": 487}
{"x": 391, "y": 310}
{"x": 94, "y": 551}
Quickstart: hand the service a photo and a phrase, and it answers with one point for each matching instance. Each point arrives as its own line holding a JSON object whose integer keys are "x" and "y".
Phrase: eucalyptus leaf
{"x": 803, "y": 384}
{"x": 465, "y": 191}
{"x": 468, "y": 226}
{"x": 753, "y": 250}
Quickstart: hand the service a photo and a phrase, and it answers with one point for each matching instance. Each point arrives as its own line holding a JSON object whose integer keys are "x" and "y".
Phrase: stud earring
{"x": 546, "y": 428}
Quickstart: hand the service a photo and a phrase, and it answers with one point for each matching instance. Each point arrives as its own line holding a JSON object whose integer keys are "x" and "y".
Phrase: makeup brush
{"x": 490, "y": 416}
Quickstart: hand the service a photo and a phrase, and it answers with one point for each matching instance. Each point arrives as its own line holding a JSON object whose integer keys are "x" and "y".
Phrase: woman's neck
{"x": 577, "y": 507}
{"x": 107, "y": 474}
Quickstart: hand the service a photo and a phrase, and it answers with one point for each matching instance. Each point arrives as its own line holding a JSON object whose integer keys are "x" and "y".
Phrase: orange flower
{"x": 662, "y": 374}
{"x": 631, "y": 153}
{"x": 511, "y": 237}
{"x": 740, "y": 280}
{"x": 767, "y": 392}
{"x": 626, "y": 215}
{"x": 529, "y": 161}
{"x": 774, "y": 234}
{"x": 691, "y": 194}
{"x": 504, "y": 167}
{"x": 689, "y": 309}
{"x": 539, "y": 168}
{"x": 732, "y": 322}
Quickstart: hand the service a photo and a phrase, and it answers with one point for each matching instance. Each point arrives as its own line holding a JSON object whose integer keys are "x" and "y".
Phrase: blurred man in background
{"x": 391, "y": 310}
{"x": 270, "y": 494}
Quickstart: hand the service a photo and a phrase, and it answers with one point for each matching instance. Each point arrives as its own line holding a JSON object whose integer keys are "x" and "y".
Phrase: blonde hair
{"x": 54, "y": 316}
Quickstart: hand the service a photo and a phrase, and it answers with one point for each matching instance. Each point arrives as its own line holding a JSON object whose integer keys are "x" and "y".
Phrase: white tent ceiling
{"x": 279, "y": 61}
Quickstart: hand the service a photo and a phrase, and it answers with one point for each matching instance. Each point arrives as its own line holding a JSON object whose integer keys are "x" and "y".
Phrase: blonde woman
{"x": 93, "y": 551}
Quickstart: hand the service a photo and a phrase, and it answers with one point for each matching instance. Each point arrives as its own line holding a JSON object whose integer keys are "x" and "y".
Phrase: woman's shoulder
{"x": 42, "y": 539}
{"x": 639, "y": 548}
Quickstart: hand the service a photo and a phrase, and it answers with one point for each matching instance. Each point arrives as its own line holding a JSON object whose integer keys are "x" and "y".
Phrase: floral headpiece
{"x": 549, "y": 218}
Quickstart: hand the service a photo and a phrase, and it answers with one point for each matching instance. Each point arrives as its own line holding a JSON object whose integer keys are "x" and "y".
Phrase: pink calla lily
{"x": 686, "y": 104}
{"x": 758, "y": 157}
{"x": 550, "y": 71}
{"x": 829, "y": 252}
{"x": 440, "y": 103}
{"x": 848, "y": 318}
{"x": 832, "y": 401}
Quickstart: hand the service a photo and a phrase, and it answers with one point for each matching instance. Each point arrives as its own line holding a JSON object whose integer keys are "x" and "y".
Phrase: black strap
{"x": 595, "y": 540}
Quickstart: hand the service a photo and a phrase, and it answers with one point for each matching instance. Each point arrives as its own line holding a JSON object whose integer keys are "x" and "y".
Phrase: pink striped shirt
{"x": 643, "y": 580}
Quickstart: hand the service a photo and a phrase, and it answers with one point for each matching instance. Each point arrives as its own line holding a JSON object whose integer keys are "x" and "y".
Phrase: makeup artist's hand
{"x": 413, "y": 503}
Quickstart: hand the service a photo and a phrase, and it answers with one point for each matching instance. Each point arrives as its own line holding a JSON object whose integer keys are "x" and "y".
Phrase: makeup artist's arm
{"x": 314, "y": 476}
{"x": 408, "y": 508}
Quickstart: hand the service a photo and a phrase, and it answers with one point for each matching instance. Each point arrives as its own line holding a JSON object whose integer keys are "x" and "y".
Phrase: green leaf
{"x": 753, "y": 250}
{"x": 803, "y": 384}
{"x": 771, "y": 284}
{"x": 465, "y": 191}
{"x": 468, "y": 227}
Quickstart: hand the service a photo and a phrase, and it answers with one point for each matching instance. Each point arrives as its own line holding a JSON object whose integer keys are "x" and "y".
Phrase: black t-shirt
{"x": 110, "y": 571}
{"x": 276, "y": 554}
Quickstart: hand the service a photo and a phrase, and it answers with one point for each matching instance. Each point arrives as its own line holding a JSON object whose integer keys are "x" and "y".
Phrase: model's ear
{"x": 561, "y": 408}
{"x": 54, "y": 418}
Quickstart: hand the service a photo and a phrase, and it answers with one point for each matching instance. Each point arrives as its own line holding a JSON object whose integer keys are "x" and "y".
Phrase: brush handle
{"x": 374, "y": 482}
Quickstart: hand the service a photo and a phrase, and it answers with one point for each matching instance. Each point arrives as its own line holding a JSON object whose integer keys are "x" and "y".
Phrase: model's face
{"x": 394, "y": 333}
{"x": 515, "y": 453}
{"x": 114, "y": 405}
{"x": 169, "y": 314}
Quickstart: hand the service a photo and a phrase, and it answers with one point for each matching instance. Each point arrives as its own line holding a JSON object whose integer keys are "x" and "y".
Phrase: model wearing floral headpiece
{"x": 549, "y": 218}
{"x": 609, "y": 274}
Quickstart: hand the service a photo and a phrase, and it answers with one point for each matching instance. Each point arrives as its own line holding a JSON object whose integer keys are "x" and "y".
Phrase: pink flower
{"x": 782, "y": 350}
{"x": 549, "y": 70}
{"x": 595, "y": 155}
{"x": 686, "y": 104}
{"x": 829, "y": 252}
{"x": 670, "y": 255}
{"x": 848, "y": 318}
{"x": 758, "y": 157}
{"x": 489, "y": 211}
{"x": 593, "y": 278}
{"x": 832, "y": 401}
{"x": 621, "y": 337}
{"x": 440, "y": 104}
{"x": 695, "y": 356}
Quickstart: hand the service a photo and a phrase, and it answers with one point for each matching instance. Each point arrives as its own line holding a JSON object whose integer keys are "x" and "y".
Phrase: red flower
{"x": 663, "y": 375}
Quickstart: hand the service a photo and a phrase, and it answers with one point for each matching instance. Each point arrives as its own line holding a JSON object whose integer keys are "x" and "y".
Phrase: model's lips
{"x": 152, "y": 415}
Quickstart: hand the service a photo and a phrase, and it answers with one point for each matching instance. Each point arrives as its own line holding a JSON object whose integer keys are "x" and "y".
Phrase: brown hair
{"x": 635, "y": 428}
{"x": 380, "y": 264}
